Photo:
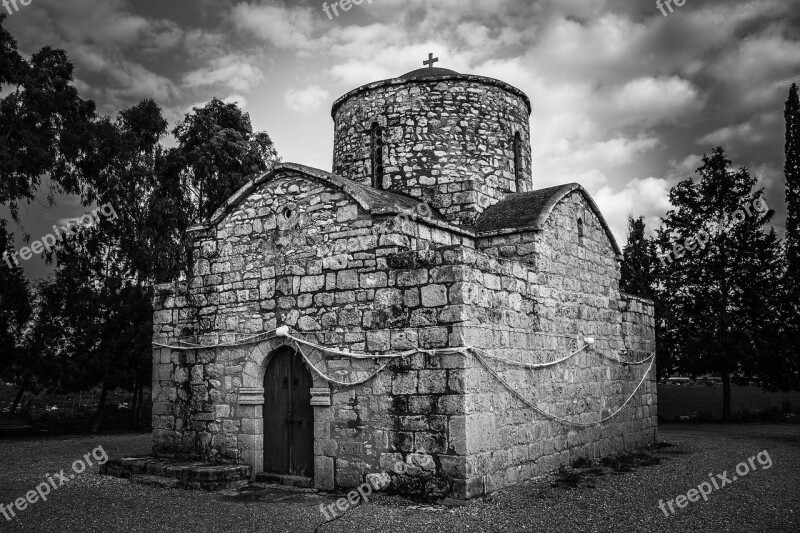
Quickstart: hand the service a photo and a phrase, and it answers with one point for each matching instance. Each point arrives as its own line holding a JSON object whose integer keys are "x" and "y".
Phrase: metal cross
{"x": 431, "y": 60}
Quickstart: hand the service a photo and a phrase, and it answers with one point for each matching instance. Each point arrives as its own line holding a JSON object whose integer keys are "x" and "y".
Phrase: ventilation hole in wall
{"x": 287, "y": 214}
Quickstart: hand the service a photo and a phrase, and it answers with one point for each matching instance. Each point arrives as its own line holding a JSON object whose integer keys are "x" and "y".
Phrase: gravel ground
{"x": 592, "y": 500}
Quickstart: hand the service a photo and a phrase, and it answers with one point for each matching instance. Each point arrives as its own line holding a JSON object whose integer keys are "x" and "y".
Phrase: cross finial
{"x": 431, "y": 60}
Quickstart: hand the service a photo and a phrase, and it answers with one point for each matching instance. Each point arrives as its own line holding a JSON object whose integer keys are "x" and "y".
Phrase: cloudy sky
{"x": 625, "y": 100}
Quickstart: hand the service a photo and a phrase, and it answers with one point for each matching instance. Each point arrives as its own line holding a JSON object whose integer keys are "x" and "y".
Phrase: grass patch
{"x": 584, "y": 471}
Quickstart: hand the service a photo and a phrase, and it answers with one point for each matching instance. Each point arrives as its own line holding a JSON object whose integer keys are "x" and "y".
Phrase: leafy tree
{"x": 92, "y": 322}
{"x": 15, "y": 311}
{"x": 115, "y": 265}
{"x": 105, "y": 334}
{"x": 791, "y": 171}
{"x": 44, "y": 124}
{"x": 719, "y": 296}
{"x": 150, "y": 207}
{"x": 218, "y": 153}
{"x": 638, "y": 277}
{"x": 784, "y": 362}
{"x": 46, "y": 135}
{"x": 638, "y": 261}
{"x": 138, "y": 246}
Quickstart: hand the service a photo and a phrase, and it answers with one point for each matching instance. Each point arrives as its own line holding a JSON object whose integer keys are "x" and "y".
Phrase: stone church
{"x": 429, "y": 302}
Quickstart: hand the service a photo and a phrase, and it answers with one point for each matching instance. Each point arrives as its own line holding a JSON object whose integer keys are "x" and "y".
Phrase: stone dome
{"x": 460, "y": 142}
{"x": 428, "y": 74}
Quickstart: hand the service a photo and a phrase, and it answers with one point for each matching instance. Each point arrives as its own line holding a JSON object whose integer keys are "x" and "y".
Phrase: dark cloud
{"x": 625, "y": 100}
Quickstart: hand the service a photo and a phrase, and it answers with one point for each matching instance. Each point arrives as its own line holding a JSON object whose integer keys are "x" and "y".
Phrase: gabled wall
{"x": 327, "y": 274}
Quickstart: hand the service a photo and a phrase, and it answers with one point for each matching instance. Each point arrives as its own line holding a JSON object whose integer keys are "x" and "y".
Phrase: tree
{"x": 638, "y": 261}
{"x": 46, "y": 134}
{"x": 115, "y": 265}
{"x": 151, "y": 210}
{"x": 92, "y": 322}
{"x": 44, "y": 124}
{"x": 791, "y": 171}
{"x": 784, "y": 363}
{"x": 638, "y": 277}
{"x": 218, "y": 153}
{"x": 719, "y": 294}
{"x": 15, "y": 311}
{"x": 137, "y": 249}
{"x": 105, "y": 333}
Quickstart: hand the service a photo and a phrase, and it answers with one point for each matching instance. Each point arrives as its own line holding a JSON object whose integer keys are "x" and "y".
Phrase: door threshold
{"x": 285, "y": 479}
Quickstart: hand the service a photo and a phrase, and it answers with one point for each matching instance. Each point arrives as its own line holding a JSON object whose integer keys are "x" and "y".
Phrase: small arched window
{"x": 518, "y": 177}
{"x": 580, "y": 231}
{"x": 376, "y": 133}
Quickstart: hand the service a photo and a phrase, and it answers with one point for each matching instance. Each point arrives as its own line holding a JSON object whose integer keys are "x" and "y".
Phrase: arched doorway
{"x": 288, "y": 416}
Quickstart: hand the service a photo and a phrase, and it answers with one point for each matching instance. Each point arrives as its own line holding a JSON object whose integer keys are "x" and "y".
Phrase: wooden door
{"x": 288, "y": 416}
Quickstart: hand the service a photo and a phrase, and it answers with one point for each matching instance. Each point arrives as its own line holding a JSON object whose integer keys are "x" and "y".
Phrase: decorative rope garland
{"x": 333, "y": 380}
{"x": 479, "y": 353}
{"x": 259, "y": 337}
{"x": 241, "y": 342}
{"x": 558, "y": 418}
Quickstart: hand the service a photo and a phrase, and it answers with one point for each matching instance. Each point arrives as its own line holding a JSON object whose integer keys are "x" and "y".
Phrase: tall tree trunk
{"x": 138, "y": 400}
{"x": 140, "y": 408}
{"x": 134, "y": 406}
{"x": 22, "y": 389}
{"x": 726, "y": 396}
{"x": 101, "y": 408}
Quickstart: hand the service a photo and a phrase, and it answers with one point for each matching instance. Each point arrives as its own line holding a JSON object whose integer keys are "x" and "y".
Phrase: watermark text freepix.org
{"x": 376, "y": 482}
{"x": 719, "y": 481}
{"x": 344, "y": 4}
{"x": 53, "y": 482}
{"x": 702, "y": 237}
{"x": 660, "y": 5}
{"x": 9, "y": 3}
{"x": 48, "y": 241}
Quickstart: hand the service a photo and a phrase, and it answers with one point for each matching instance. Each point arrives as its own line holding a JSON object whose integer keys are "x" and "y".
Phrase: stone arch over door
{"x": 251, "y": 407}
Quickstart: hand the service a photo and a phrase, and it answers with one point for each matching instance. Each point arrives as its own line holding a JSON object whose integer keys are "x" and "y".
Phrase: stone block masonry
{"x": 420, "y": 287}
{"x": 449, "y": 141}
{"x": 521, "y": 276}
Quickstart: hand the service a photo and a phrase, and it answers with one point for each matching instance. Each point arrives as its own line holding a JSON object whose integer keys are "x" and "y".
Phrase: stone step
{"x": 285, "y": 479}
{"x": 157, "y": 481}
{"x": 189, "y": 475}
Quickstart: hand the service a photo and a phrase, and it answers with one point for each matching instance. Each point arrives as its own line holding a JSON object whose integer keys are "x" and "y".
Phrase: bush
{"x": 581, "y": 462}
{"x": 773, "y": 414}
{"x": 705, "y": 417}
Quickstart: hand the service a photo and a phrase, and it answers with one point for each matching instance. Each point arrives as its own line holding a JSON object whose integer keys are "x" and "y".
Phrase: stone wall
{"x": 507, "y": 442}
{"x": 533, "y": 297}
{"x": 260, "y": 268}
{"x": 575, "y": 280}
{"x": 301, "y": 252}
{"x": 448, "y": 142}
{"x": 206, "y": 402}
